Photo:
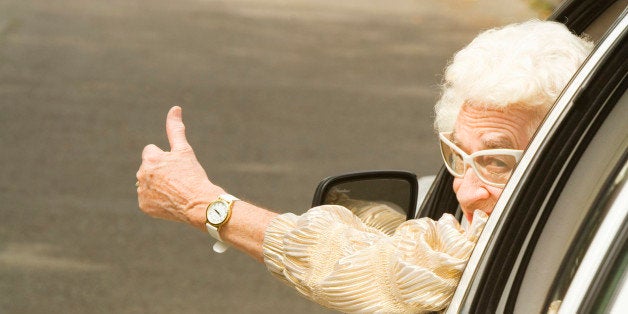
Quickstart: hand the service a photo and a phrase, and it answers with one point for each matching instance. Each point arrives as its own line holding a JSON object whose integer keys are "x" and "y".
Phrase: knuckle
{"x": 151, "y": 157}
{"x": 142, "y": 205}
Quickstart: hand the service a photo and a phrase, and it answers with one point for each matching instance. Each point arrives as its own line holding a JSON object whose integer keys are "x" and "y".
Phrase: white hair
{"x": 526, "y": 64}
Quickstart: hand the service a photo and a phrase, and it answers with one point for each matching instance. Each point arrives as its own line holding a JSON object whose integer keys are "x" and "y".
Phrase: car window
{"x": 616, "y": 295}
{"x": 607, "y": 292}
{"x": 596, "y": 29}
{"x": 580, "y": 202}
{"x": 498, "y": 266}
{"x": 597, "y": 283}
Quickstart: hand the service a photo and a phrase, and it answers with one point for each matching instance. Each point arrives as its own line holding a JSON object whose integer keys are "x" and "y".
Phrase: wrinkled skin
{"x": 172, "y": 184}
{"x": 479, "y": 128}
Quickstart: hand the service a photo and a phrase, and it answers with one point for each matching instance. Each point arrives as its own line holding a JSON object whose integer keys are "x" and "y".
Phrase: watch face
{"x": 217, "y": 212}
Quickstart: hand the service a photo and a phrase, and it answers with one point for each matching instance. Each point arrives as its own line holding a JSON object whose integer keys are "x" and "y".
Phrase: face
{"x": 478, "y": 128}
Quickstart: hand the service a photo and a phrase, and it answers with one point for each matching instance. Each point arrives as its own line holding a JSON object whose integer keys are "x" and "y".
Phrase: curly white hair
{"x": 526, "y": 64}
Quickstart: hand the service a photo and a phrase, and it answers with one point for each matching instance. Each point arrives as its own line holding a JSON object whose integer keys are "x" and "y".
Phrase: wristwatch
{"x": 217, "y": 214}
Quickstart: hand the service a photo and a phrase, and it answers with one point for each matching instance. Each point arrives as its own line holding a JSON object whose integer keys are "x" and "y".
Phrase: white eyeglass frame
{"x": 469, "y": 159}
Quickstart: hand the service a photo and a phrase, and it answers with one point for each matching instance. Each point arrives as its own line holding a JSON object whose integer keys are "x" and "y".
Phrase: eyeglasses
{"x": 492, "y": 166}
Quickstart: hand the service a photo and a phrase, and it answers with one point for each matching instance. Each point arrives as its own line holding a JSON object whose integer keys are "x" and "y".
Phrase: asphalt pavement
{"x": 276, "y": 95}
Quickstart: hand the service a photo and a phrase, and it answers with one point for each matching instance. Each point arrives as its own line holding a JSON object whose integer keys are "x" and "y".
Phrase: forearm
{"x": 244, "y": 230}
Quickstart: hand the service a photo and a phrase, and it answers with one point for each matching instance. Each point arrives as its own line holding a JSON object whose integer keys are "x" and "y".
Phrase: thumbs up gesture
{"x": 172, "y": 184}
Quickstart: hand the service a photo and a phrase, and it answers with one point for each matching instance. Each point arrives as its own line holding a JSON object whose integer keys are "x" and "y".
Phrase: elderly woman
{"x": 496, "y": 92}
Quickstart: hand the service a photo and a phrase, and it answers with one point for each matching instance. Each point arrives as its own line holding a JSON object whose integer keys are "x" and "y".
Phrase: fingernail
{"x": 176, "y": 111}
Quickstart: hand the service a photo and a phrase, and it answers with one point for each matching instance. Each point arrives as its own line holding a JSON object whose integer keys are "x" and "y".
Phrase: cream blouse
{"x": 355, "y": 264}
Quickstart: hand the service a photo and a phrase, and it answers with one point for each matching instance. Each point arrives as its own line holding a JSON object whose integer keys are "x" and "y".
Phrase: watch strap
{"x": 213, "y": 231}
{"x": 228, "y": 197}
{"x": 220, "y": 247}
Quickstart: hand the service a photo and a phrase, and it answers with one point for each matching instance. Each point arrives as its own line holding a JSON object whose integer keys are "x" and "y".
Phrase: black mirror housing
{"x": 399, "y": 188}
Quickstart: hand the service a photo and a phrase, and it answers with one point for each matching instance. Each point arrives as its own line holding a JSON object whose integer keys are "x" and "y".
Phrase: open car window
{"x": 589, "y": 17}
{"x": 496, "y": 270}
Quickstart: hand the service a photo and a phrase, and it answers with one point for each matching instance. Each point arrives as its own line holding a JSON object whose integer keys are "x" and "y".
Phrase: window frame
{"x": 605, "y": 253}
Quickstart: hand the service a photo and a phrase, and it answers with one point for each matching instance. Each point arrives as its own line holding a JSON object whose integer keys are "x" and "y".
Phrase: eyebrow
{"x": 455, "y": 140}
{"x": 499, "y": 142}
{"x": 493, "y": 143}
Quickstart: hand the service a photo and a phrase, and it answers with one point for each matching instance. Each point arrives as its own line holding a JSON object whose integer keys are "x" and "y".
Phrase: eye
{"x": 496, "y": 164}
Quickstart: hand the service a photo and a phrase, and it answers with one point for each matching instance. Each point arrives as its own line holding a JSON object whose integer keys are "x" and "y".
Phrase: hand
{"x": 173, "y": 185}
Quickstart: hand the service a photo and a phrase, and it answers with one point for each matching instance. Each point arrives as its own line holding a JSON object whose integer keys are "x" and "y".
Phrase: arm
{"x": 327, "y": 254}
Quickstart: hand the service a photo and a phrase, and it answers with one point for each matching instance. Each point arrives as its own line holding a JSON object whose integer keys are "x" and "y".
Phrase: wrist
{"x": 197, "y": 207}
{"x": 218, "y": 214}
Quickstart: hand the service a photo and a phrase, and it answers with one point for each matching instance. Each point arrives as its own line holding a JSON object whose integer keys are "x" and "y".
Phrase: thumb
{"x": 176, "y": 130}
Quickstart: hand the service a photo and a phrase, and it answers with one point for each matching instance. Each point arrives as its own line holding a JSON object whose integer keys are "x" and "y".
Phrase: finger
{"x": 151, "y": 153}
{"x": 140, "y": 179}
{"x": 176, "y": 130}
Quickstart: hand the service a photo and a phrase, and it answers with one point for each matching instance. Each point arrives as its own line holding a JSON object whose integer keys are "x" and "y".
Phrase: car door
{"x": 556, "y": 190}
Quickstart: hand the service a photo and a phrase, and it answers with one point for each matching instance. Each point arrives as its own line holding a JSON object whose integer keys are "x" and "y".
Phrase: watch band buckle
{"x": 220, "y": 247}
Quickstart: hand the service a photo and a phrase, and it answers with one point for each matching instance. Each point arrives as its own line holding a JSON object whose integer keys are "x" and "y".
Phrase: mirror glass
{"x": 377, "y": 194}
{"x": 394, "y": 193}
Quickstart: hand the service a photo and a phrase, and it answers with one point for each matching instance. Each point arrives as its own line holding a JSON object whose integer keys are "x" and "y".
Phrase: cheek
{"x": 456, "y": 185}
{"x": 494, "y": 192}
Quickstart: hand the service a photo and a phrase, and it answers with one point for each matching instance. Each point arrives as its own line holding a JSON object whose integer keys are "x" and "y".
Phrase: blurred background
{"x": 276, "y": 95}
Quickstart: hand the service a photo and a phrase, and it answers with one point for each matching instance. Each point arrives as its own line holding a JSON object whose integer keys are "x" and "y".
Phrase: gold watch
{"x": 217, "y": 214}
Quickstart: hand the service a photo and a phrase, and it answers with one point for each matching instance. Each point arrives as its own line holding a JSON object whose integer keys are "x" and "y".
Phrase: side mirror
{"x": 395, "y": 189}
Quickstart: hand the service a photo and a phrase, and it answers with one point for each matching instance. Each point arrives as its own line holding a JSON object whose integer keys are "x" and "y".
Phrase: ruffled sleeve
{"x": 332, "y": 257}
{"x": 379, "y": 215}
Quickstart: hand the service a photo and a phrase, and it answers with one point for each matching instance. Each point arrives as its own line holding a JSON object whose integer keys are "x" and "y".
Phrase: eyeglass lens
{"x": 491, "y": 168}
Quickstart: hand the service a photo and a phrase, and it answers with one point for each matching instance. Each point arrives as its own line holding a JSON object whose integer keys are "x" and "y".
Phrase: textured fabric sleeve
{"x": 379, "y": 215}
{"x": 332, "y": 257}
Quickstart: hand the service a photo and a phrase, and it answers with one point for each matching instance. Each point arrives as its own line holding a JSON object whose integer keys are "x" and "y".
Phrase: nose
{"x": 470, "y": 191}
